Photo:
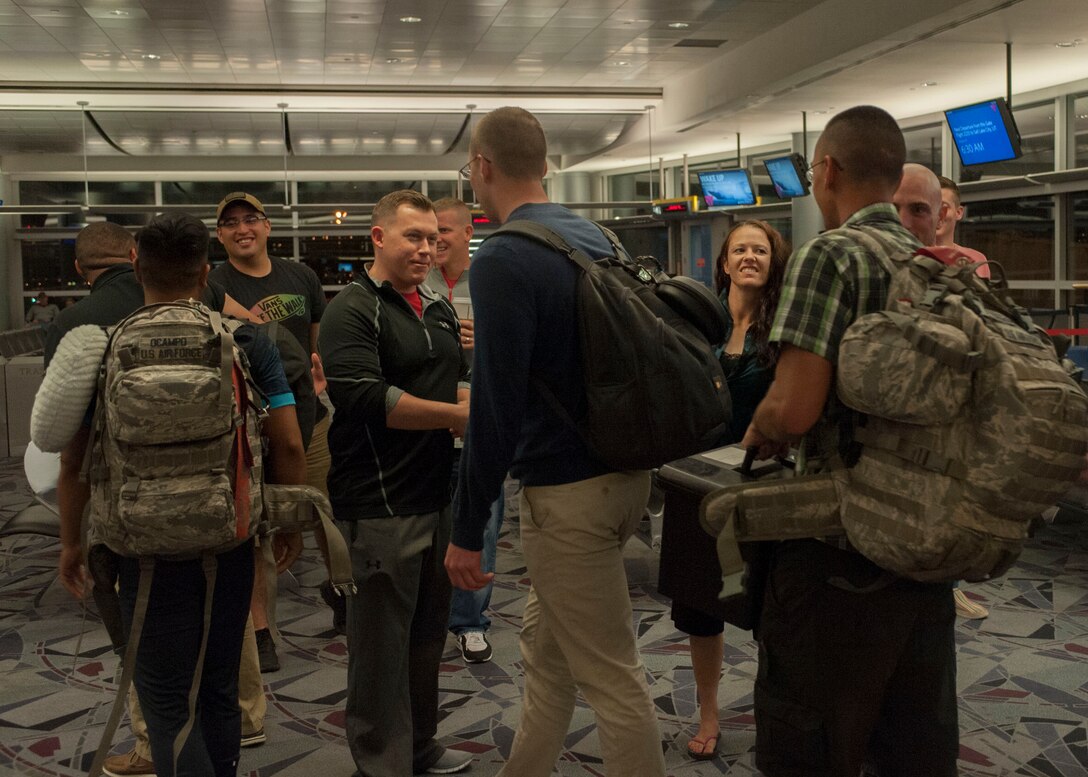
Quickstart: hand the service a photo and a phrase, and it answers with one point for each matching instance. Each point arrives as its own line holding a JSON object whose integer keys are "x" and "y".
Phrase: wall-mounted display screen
{"x": 984, "y": 132}
{"x": 788, "y": 175}
{"x": 723, "y": 188}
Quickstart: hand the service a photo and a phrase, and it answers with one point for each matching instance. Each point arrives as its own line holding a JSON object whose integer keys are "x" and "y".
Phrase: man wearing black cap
{"x": 272, "y": 289}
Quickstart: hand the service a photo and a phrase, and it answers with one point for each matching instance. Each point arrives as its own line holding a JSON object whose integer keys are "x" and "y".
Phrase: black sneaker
{"x": 266, "y": 652}
{"x": 475, "y": 648}
{"x": 339, "y": 606}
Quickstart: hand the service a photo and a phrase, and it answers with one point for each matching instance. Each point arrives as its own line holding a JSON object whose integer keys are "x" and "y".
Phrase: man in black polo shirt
{"x": 397, "y": 380}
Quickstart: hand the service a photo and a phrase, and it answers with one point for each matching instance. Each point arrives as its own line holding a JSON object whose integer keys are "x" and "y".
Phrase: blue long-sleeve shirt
{"x": 526, "y": 328}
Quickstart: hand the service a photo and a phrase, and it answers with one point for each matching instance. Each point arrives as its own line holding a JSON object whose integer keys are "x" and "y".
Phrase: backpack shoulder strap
{"x": 536, "y": 231}
{"x": 613, "y": 240}
{"x": 539, "y": 233}
{"x": 881, "y": 249}
{"x": 128, "y": 664}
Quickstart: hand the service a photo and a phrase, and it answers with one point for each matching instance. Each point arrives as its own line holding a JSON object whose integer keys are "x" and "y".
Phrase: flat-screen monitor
{"x": 984, "y": 132}
{"x": 788, "y": 175}
{"x": 722, "y": 188}
{"x": 345, "y": 267}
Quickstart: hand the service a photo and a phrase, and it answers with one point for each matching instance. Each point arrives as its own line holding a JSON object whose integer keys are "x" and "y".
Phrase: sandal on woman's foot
{"x": 702, "y": 753}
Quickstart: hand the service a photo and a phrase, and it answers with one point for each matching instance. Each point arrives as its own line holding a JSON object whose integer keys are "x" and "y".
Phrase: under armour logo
{"x": 374, "y": 563}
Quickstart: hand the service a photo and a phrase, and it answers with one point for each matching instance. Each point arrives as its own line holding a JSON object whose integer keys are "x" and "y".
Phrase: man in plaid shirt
{"x": 856, "y": 666}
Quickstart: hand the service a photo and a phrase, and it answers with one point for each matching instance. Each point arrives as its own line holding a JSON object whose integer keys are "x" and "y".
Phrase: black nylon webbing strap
{"x": 210, "y": 565}
{"x": 549, "y": 237}
{"x": 143, "y": 595}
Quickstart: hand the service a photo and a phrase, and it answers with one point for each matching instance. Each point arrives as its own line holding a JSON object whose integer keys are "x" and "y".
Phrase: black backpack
{"x": 296, "y": 366}
{"x": 654, "y": 388}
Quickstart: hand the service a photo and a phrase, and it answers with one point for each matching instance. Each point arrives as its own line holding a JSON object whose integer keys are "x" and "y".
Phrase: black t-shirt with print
{"x": 290, "y": 294}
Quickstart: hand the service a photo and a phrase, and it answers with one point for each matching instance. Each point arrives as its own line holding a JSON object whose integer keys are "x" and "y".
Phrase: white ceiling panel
{"x": 333, "y": 55}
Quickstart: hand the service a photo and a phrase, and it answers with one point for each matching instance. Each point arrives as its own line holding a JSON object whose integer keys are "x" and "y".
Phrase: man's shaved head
{"x": 918, "y": 200}
{"x": 867, "y": 144}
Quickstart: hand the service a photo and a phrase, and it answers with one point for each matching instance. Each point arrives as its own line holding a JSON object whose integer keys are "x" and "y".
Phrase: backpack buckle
{"x": 935, "y": 294}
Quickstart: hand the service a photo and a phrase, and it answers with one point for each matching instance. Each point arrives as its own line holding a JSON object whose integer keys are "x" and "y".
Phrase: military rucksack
{"x": 970, "y": 426}
{"x": 175, "y": 452}
{"x": 655, "y": 390}
{"x": 967, "y": 427}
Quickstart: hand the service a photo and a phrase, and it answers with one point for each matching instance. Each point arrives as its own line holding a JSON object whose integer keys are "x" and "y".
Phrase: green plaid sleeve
{"x": 816, "y": 304}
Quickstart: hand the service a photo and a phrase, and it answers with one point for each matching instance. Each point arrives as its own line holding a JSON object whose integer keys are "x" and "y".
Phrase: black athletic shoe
{"x": 475, "y": 648}
{"x": 339, "y": 606}
{"x": 266, "y": 651}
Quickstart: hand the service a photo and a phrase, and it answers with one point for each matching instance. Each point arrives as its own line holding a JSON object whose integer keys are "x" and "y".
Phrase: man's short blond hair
{"x": 386, "y": 209}
{"x": 952, "y": 186}
{"x": 464, "y": 215}
{"x": 513, "y": 140}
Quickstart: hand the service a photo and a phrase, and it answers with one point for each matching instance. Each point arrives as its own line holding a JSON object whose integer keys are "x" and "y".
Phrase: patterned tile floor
{"x": 1023, "y": 672}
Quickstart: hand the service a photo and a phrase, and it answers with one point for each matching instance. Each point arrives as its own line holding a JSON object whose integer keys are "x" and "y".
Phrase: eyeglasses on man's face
{"x": 466, "y": 171}
{"x": 250, "y": 221}
{"x": 810, "y": 173}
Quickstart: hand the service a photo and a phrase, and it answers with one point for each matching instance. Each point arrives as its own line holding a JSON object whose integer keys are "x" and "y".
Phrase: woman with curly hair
{"x": 748, "y": 277}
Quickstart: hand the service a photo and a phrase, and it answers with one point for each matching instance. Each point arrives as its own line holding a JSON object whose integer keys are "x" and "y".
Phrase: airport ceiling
{"x": 615, "y": 82}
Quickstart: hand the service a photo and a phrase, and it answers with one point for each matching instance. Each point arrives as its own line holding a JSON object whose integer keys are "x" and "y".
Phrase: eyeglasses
{"x": 466, "y": 171}
{"x": 809, "y": 175}
{"x": 251, "y": 220}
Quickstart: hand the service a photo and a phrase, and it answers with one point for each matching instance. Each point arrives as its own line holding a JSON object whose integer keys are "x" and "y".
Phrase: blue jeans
{"x": 167, "y": 655}
{"x": 468, "y": 608}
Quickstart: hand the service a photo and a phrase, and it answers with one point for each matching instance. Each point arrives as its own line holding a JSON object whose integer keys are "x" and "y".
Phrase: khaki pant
{"x": 577, "y": 633}
{"x": 251, "y": 698}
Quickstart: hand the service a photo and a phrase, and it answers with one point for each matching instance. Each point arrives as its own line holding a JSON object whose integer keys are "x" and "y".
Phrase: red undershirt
{"x": 415, "y": 301}
{"x": 449, "y": 283}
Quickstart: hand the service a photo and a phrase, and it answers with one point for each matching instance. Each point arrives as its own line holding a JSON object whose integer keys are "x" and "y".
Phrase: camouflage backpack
{"x": 968, "y": 427}
{"x": 971, "y": 426}
{"x": 175, "y": 456}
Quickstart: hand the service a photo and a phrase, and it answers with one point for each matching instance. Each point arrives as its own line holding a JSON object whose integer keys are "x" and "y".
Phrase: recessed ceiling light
{"x": 119, "y": 12}
{"x": 410, "y": 19}
{"x": 1068, "y": 44}
{"x": 678, "y": 25}
{"x": 392, "y": 60}
{"x": 151, "y": 57}
{"x": 621, "y": 63}
{"x": 929, "y": 83}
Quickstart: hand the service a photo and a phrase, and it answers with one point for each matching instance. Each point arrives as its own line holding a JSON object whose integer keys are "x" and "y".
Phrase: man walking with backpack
{"x": 577, "y": 632}
{"x": 856, "y": 665}
{"x": 171, "y": 265}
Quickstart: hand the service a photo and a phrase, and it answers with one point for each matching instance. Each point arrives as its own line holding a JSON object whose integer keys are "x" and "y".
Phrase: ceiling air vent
{"x": 700, "y": 43}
